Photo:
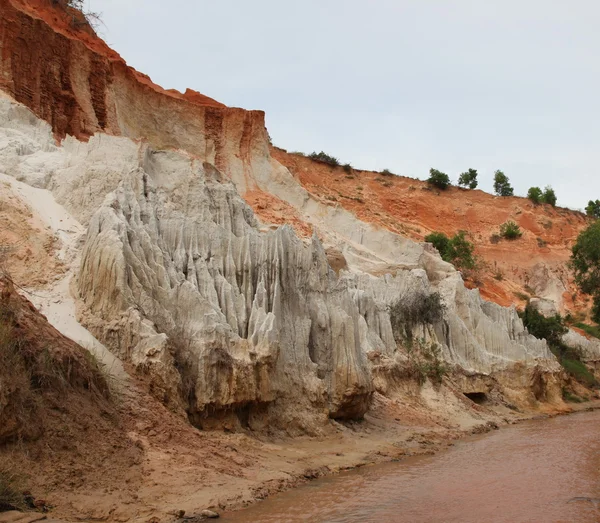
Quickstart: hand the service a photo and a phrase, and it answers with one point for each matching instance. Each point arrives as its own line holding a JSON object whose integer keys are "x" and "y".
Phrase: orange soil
{"x": 271, "y": 209}
{"x": 61, "y": 20}
{"x": 27, "y": 246}
{"x": 413, "y": 209}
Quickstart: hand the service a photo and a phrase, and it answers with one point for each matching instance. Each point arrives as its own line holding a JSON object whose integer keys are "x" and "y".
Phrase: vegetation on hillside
{"x": 510, "y": 230}
{"x": 92, "y": 18}
{"x": 535, "y": 195}
{"x": 456, "y": 250}
{"x": 552, "y": 329}
{"x": 592, "y": 330}
{"x": 502, "y": 186}
{"x": 438, "y": 179}
{"x": 585, "y": 262}
{"x": 420, "y": 308}
{"x": 593, "y": 209}
{"x": 468, "y": 179}
{"x": 549, "y": 196}
{"x": 323, "y": 157}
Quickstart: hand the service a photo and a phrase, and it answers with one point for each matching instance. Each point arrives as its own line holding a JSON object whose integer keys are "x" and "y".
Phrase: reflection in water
{"x": 538, "y": 471}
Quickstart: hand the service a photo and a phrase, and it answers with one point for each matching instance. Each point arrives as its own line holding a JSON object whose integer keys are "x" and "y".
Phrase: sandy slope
{"x": 534, "y": 265}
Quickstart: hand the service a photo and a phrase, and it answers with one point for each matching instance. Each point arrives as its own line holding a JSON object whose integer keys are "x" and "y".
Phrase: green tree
{"x": 535, "y": 194}
{"x": 585, "y": 262}
{"x": 593, "y": 209}
{"x": 438, "y": 179}
{"x": 468, "y": 179}
{"x": 510, "y": 230}
{"x": 502, "y": 186}
{"x": 549, "y": 196}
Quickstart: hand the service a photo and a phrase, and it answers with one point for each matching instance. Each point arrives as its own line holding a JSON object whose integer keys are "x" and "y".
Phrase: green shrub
{"x": 550, "y": 328}
{"x": 347, "y": 168}
{"x": 510, "y": 230}
{"x": 535, "y": 195}
{"x": 387, "y": 172}
{"x": 502, "y": 186}
{"x": 456, "y": 250}
{"x": 495, "y": 238}
{"x": 324, "y": 158}
{"x": 549, "y": 196}
{"x": 440, "y": 241}
{"x": 468, "y": 179}
{"x": 438, "y": 179}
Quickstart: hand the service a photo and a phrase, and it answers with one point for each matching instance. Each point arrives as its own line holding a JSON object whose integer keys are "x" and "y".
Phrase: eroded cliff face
{"x": 54, "y": 64}
{"x": 235, "y": 322}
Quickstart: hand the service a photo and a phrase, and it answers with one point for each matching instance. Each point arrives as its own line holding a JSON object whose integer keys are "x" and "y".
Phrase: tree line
{"x": 502, "y": 186}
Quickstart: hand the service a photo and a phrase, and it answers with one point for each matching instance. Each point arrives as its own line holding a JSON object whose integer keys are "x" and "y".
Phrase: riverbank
{"x": 537, "y": 470}
{"x": 184, "y": 471}
{"x": 376, "y": 441}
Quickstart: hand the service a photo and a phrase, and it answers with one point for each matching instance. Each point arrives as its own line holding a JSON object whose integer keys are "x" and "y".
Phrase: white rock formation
{"x": 177, "y": 277}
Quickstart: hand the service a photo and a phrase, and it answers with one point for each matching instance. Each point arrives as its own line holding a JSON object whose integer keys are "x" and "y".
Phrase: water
{"x": 524, "y": 473}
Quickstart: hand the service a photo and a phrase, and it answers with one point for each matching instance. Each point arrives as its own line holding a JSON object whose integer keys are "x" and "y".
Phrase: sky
{"x": 403, "y": 85}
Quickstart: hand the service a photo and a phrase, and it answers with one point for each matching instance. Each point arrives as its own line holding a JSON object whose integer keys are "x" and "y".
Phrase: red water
{"x": 524, "y": 473}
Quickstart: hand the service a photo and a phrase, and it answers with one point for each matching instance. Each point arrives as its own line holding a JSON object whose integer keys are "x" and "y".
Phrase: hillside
{"x": 534, "y": 265}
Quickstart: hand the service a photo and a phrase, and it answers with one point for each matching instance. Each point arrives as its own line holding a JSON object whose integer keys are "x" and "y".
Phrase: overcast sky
{"x": 404, "y": 85}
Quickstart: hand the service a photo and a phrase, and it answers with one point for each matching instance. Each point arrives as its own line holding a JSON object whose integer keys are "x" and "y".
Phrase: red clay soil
{"x": 413, "y": 209}
{"x": 52, "y": 62}
{"x": 272, "y": 210}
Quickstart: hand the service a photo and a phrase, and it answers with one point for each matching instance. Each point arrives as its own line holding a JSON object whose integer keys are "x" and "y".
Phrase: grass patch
{"x": 589, "y": 329}
{"x": 570, "y": 397}
{"x": 579, "y": 371}
{"x": 426, "y": 360}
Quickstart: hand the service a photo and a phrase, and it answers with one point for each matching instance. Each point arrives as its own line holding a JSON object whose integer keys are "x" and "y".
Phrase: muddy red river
{"x": 537, "y": 471}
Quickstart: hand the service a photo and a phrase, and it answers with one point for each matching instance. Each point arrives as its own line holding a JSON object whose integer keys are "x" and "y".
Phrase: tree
{"x": 535, "y": 194}
{"x": 549, "y": 196}
{"x": 438, "y": 179}
{"x": 502, "y": 186}
{"x": 468, "y": 179}
{"x": 585, "y": 262}
{"x": 510, "y": 230}
{"x": 593, "y": 209}
{"x": 456, "y": 250}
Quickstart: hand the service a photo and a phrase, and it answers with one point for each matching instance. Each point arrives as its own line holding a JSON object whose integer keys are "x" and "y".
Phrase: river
{"x": 530, "y": 472}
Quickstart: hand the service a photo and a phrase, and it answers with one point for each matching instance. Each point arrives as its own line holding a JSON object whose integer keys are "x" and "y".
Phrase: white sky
{"x": 404, "y": 85}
